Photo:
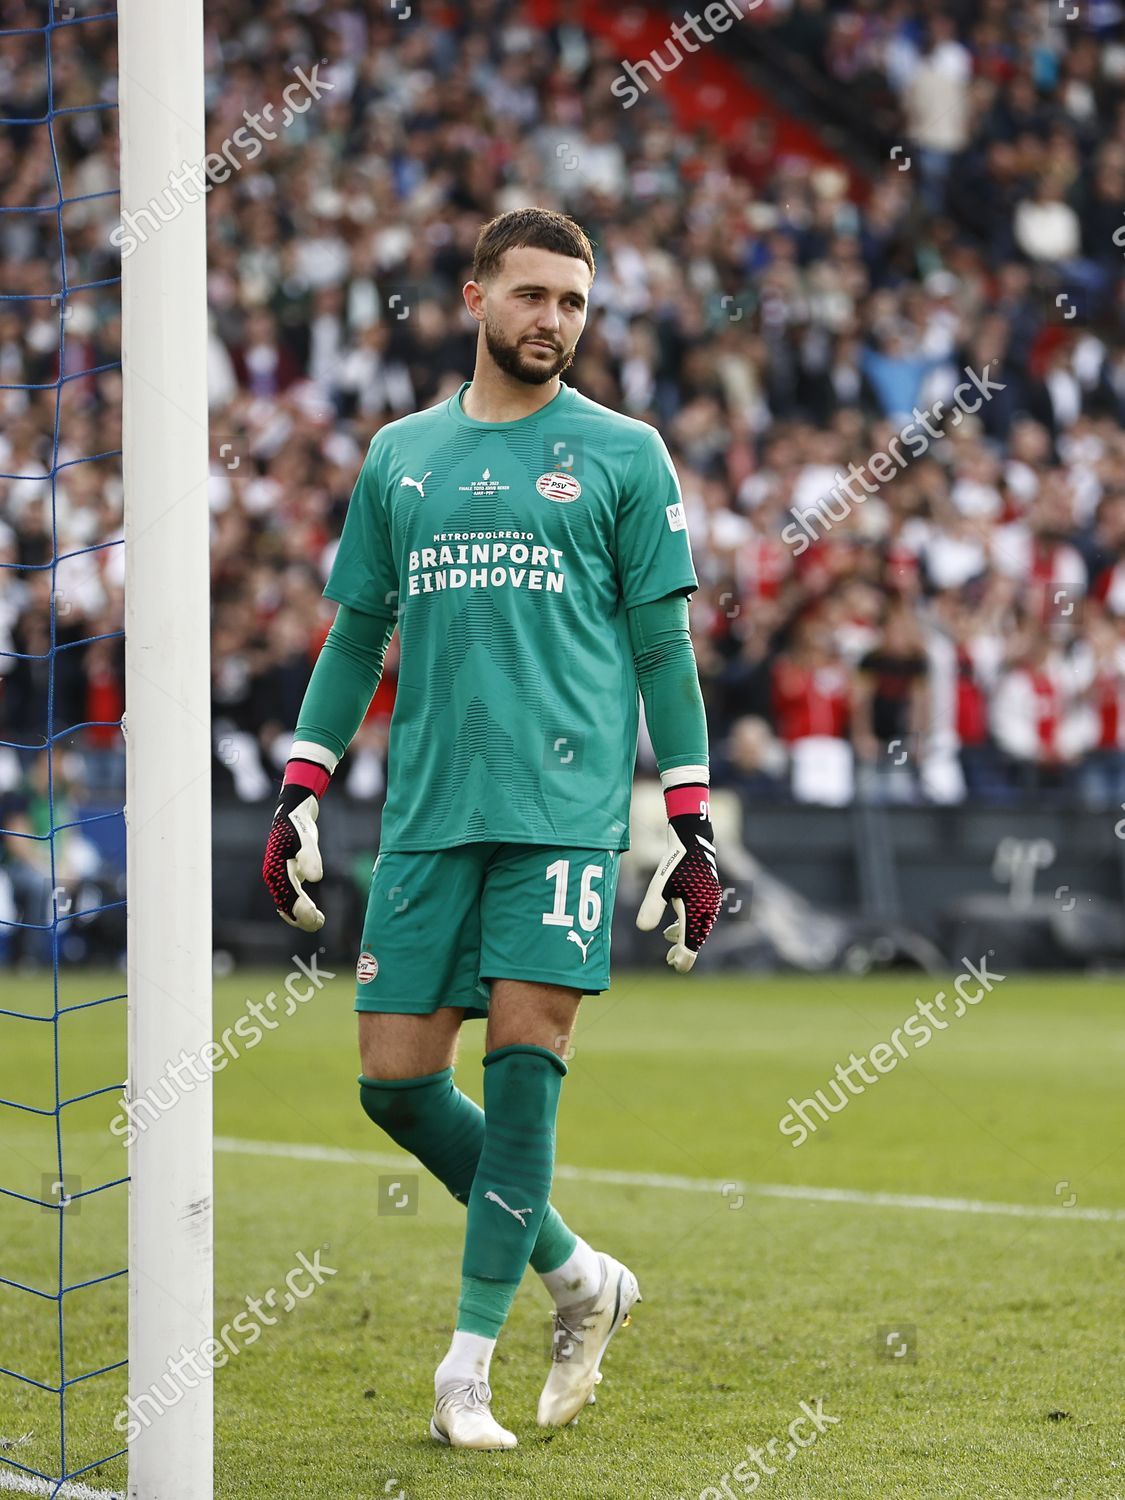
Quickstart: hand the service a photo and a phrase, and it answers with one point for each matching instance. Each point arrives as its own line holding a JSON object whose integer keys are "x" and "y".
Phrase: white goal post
{"x": 168, "y": 737}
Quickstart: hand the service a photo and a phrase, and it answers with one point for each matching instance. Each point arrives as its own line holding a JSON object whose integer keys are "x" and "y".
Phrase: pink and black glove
{"x": 688, "y": 876}
{"x": 293, "y": 848}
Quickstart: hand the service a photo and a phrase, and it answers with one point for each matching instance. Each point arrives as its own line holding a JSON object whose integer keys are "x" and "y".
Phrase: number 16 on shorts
{"x": 583, "y": 922}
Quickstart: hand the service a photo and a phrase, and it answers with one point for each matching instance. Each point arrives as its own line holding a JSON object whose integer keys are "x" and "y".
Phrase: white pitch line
{"x": 336, "y": 1154}
{"x": 27, "y": 1484}
{"x": 939, "y": 1205}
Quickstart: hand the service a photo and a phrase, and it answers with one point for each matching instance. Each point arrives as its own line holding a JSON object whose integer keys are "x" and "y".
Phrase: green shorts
{"x": 442, "y": 923}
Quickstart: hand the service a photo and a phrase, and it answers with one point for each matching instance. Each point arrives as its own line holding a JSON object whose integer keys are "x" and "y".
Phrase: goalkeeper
{"x": 531, "y": 547}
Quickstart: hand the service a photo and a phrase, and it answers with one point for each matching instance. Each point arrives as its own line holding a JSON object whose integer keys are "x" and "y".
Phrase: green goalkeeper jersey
{"x": 510, "y": 552}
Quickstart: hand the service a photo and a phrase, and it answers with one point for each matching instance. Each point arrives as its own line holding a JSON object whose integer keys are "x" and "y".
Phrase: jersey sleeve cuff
{"x": 664, "y": 591}
{"x": 363, "y": 606}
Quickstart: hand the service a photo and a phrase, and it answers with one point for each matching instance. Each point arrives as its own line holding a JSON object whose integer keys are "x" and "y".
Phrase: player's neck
{"x": 494, "y": 396}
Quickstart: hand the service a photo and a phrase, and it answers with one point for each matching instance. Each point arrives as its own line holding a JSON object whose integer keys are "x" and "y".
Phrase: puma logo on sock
{"x": 516, "y": 1213}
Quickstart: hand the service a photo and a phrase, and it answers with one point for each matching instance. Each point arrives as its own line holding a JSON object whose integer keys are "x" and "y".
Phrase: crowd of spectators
{"x": 951, "y": 625}
{"x": 1010, "y": 109}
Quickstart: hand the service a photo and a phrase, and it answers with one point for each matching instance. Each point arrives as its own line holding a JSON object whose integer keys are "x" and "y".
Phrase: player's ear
{"x": 473, "y": 293}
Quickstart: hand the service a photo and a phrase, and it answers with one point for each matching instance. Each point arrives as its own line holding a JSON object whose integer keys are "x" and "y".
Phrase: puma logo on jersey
{"x": 516, "y": 1213}
{"x": 572, "y": 937}
{"x": 417, "y": 483}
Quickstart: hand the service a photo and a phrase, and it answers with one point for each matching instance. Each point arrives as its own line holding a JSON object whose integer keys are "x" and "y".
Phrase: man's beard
{"x": 514, "y": 362}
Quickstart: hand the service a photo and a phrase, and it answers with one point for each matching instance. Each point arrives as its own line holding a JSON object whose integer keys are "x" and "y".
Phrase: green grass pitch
{"x": 1012, "y": 1378}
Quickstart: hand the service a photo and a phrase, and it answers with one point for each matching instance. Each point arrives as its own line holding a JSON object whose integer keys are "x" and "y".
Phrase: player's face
{"x": 534, "y": 313}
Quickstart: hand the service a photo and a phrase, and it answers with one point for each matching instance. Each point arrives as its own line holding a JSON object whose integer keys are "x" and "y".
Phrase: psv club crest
{"x": 558, "y": 486}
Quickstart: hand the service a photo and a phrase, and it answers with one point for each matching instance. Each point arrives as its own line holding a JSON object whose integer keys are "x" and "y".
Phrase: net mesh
{"x": 63, "y": 1329}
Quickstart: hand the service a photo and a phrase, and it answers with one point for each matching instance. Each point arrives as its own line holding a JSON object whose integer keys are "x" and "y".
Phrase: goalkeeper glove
{"x": 293, "y": 849}
{"x": 688, "y": 877}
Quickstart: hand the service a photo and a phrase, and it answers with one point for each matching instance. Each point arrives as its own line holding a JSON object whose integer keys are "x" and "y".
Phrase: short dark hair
{"x": 532, "y": 228}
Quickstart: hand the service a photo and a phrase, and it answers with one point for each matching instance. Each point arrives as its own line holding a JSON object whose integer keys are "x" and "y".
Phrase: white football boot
{"x": 463, "y": 1418}
{"x": 581, "y": 1336}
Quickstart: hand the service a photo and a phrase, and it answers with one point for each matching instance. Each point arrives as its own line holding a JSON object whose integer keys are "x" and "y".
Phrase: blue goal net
{"x": 63, "y": 1205}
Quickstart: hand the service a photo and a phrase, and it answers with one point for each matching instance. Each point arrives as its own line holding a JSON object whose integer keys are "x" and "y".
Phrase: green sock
{"x": 432, "y": 1119}
{"x": 508, "y": 1201}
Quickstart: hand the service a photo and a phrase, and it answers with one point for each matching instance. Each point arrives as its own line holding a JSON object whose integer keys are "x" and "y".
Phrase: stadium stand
{"x": 784, "y": 298}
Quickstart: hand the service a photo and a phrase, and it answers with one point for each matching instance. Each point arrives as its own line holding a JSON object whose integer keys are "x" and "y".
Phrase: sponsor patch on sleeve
{"x": 677, "y": 521}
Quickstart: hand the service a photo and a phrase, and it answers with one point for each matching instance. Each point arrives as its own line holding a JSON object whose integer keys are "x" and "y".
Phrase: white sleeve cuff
{"x": 685, "y": 776}
{"x": 319, "y": 754}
